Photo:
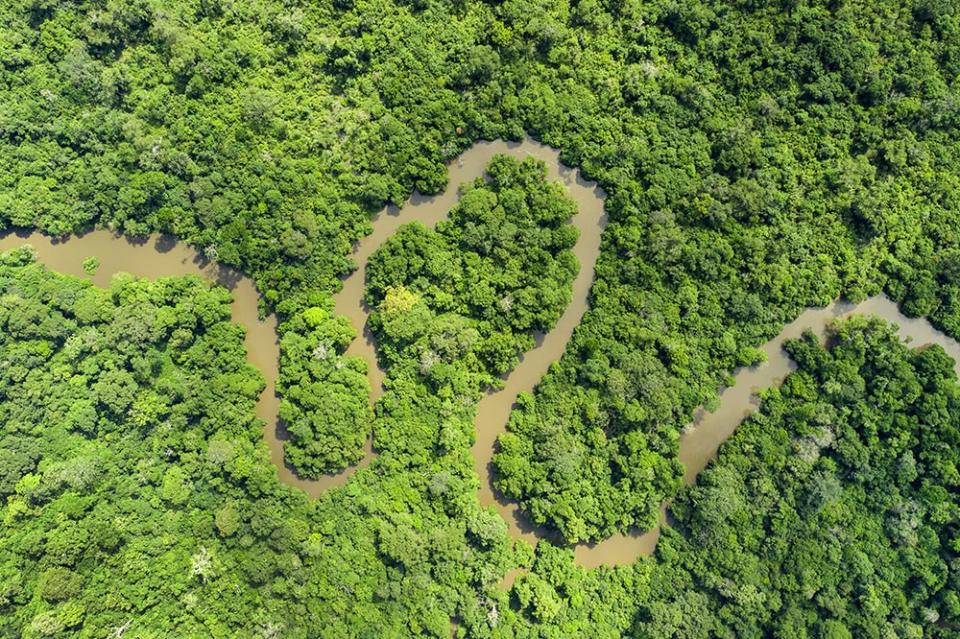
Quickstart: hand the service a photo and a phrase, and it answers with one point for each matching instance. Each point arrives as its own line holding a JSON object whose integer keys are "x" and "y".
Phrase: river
{"x": 495, "y": 406}
{"x": 701, "y": 439}
{"x": 158, "y": 256}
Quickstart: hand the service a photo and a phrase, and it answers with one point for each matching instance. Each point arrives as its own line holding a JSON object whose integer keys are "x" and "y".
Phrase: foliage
{"x": 91, "y": 265}
{"x": 325, "y": 407}
{"x": 502, "y": 260}
{"x": 260, "y": 133}
{"x": 138, "y": 495}
{"x": 757, "y": 157}
{"x": 833, "y": 512}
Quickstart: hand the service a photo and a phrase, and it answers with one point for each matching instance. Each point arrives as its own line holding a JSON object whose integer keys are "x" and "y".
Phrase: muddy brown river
{"x": 158, "y": 256}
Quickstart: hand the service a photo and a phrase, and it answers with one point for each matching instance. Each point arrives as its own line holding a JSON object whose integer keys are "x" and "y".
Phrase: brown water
{"x": 494, "y": 409}
{"x": 701, "y": 439}
{"x": 159, "y": 256}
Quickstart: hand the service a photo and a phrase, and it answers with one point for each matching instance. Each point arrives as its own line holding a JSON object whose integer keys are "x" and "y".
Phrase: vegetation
{"x": 758, "y": 158}
{"x": 91, "y": 265}
{"x": 325, "y": 406}
{"x": 138, "y": 496}
{"x": 503, "y": 259}
{"x": 133, "y": 473}
{"x": 142, "y": 492}
{"x": 833, "y": 512}
{"x": 259, "y": 133}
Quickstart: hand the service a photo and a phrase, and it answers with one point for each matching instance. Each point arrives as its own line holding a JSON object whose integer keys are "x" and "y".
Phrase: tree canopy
{"x": 757, "y": 158}
{"x": 502, "y": 261}
{"x": 833, "y": 512}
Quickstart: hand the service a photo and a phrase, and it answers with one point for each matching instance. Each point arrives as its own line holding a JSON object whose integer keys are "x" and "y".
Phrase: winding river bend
{"x": 494, "y": 408}
{"x": 158, "y": 256}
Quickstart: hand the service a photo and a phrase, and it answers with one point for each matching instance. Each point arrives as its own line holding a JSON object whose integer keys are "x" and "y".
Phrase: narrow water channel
{"x": 494, "y": 408}
{"x": 158, "y": 256}
{"x": 701, "y": 439}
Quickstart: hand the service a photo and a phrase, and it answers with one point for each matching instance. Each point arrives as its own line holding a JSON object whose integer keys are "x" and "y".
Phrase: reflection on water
{"x": 158, "y": 256}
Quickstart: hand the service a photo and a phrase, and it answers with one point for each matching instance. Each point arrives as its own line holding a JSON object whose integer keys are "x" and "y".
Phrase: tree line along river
{"x": 158, "y": 256}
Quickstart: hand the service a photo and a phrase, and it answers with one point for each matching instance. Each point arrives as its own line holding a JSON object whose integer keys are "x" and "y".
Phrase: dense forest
{"x": 833, "y": 512}
{"x": 140, "y": 497}
{"x": 757, "y": 158}
{"x": 138, "y": 493}
{"x": 325, "y": 405}
{"x": 502, "y": 261}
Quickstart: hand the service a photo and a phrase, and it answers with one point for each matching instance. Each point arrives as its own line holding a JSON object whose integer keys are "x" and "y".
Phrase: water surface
{"x": 701, "y": 439}
{"x": 158, "y": 256}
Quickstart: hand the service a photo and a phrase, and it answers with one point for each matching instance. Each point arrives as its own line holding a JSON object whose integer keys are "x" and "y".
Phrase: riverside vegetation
{"x": 758, "y": 159}
{"x": 843, "y": 483}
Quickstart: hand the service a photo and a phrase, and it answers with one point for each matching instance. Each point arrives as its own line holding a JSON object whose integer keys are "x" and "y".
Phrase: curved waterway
{"x": 494, "y": 408}
{"x": 702, "y": 438}
{"x": 158, "y": 256}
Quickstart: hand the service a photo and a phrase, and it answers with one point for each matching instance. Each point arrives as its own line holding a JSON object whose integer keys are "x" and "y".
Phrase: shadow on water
{"x": 165, "y": 243}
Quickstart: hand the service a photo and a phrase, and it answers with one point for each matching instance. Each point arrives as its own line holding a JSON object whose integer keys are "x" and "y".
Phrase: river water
{"x": 158, "y": 256}
{"x": 701, "y": 439}
{"x": 494, "y": 408}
